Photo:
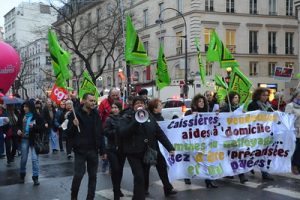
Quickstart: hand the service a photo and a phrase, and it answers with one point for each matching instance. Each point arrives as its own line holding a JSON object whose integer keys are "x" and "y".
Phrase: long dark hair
{"x": 258, "y": 92}
{"x": 231, "y": 95}
{"x": 30, "y": 105}
{"x": 194, "y": 104}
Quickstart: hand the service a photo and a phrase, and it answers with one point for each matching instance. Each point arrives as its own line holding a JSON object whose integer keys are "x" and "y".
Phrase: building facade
{"x": 1, "y": 33}
{"x": 260, "y": 34}
{"x": 36, "y": 69}
{"x": 27, "y": 22}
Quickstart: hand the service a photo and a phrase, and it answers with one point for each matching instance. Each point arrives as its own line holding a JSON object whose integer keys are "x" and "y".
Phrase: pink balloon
{"x": 9, "y": 66}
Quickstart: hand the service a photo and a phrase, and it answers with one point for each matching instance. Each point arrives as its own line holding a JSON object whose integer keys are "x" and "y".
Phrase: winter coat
{"x": 294, "y": 109}
{"x": 255, "y": 106}
{"x": 136, "y": 136}
{"x": 36, "y": 131}
{"x": 111, "y": 132}
{"x": 78, "y": 138}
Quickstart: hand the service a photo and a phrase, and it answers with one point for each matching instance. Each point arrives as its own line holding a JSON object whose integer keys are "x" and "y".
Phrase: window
{"x": 161, "y": 7}
{"x": 180, "y": 5}
{"x": 144, "y": 76}
{"x": 289, "y": 7}
{"x": 253, "y": 7}
{"x": 98, "y": 14}
{"x": 208, "y": 69}
{"x": 272, "y": 42}
{"x": 81, "y": 23}
{"x": 178, "y": 43}
{"x": 230, "y": 6}
{"x": 146, "y": 45}
{"x": 289, "y": 64}
{"x": 272, "y": 66}
{"x": 253, "y": 69}
{"x": 289, "y": 49}
{"x": 253, "y": 48}
{"x": 99, "y": 59}
{"x": 161, "y": 41}
{"x": 145, "y": 17}
{"x": 66, "y": 28}
{"x": 108, "y": 81}
{"x": 209, "y": 5}
{"x": 272, "y": 7}
{"x": 179, "y": 73}
{"x": 89, "y": 19}
{"x": 230, "y": 40}
{"x": 207, "y": 33}
{"x": 136, "y": 76}
{"x": 48, "y": 60}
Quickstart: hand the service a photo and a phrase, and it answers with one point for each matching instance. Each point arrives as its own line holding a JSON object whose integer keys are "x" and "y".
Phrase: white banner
{"x": 210, "y": 145}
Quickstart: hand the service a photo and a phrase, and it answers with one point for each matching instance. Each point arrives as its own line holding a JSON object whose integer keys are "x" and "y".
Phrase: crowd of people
{"x": 112, "y": 131}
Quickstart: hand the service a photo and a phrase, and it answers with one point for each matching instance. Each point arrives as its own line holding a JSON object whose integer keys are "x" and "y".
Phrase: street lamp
{"x": 160, "y": 21}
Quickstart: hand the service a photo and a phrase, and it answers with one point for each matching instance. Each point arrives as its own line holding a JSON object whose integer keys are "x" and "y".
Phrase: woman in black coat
{"x": 136, "y": 137}
{"x": 114, "y": 152}
{"x": 260, "y": 101}
{"x": 199, "y": 104}
{"x": 232, "y": 105}
{"x": 155, "y": 107}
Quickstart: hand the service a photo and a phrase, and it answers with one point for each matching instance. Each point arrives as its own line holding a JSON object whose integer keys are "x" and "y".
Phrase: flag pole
{"x": 76, "y": 119}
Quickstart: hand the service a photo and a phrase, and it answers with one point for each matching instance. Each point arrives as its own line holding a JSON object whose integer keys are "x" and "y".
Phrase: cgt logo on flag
{"x": 58, "y": 94}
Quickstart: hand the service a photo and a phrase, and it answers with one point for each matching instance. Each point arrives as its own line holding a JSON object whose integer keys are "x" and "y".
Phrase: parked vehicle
{"x": 175, "y": 108}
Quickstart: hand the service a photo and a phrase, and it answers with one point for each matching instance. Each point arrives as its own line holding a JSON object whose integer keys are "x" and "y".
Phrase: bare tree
{"x": 85, "y": 37}
{"x": 24, "y": 76}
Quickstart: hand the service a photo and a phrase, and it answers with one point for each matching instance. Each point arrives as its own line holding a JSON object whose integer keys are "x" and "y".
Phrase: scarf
{"x": 264, "y": 106}
{"x": 28, "y": 118}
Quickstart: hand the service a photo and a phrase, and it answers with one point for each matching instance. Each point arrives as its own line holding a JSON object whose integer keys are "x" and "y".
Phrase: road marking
{"x": 277, "y": 190}
{"x": 247, "y": 184}
{"x": 109, "y": 194}
{"x": 283, "y": 191}
{"x": 181, "y": 186}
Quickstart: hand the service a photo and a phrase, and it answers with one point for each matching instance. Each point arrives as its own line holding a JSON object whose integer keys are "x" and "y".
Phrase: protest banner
{"x": 211, "y": 146}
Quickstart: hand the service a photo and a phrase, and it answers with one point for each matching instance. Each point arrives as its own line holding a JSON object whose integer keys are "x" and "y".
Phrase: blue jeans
{"x": 24, "y": 156}
{"x": 53, "y": 139}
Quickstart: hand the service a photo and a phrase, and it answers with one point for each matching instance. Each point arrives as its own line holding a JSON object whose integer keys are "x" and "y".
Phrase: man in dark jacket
{"x": 87, "y": 134}
{"x": 136, "y": 138}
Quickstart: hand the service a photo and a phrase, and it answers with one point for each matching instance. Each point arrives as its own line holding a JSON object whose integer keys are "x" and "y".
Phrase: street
{"x": 56, "y": 177}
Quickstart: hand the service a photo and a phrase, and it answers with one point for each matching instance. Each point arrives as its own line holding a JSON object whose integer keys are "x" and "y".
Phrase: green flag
{"x": 298, "y": 75}
{"x": 220, "y": 82}
{"x": 201, "y": 66}
{"x": 88, "y": 86}
{"x": 135, "y": 53}
{"x": 221, "y": 88}
{"x": 60, "y": 60}
{"x": 240, "y": 83}
{"x": 218, "y": 52}
{"x": 162, "y": 75}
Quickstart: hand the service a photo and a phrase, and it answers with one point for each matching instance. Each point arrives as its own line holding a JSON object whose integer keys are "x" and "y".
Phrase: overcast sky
{"x": 7, "y": 5}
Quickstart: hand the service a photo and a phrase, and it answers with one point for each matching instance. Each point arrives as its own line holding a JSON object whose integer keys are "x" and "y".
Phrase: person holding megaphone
{"x": 138, "y": 135}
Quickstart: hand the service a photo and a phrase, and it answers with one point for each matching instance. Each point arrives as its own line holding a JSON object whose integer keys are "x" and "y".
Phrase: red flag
{"x": 58, "y": 94}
